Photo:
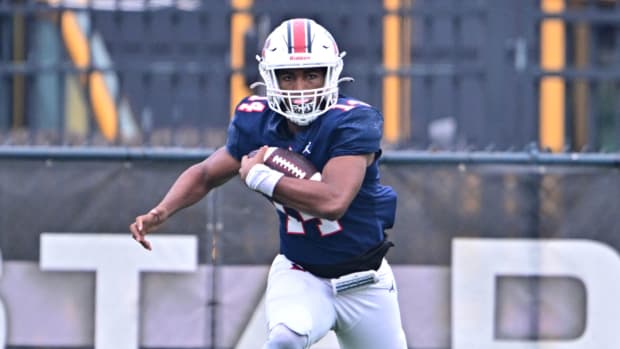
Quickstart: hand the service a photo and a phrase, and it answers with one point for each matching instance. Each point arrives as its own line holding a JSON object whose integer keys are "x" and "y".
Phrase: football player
{"x": 331, "y": 272}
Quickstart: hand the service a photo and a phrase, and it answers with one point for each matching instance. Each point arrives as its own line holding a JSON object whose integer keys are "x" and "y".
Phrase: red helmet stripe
{"x": 300, "y": 36}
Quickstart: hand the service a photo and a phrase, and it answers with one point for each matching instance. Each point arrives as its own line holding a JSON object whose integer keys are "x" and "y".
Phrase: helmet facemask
{"x": 303, "y": 106}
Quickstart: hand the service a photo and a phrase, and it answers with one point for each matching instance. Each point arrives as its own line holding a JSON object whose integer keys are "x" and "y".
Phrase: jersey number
{"x": 251, "y": 107}
{"x": 296, "y": 226}
{"x": 350, "y": 105}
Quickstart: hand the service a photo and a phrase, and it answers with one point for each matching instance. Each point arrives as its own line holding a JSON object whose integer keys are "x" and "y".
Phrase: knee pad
{"x": 281, "y": 337}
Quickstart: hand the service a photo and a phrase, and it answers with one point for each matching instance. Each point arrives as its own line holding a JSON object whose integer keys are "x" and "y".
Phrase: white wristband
{"x": 263, "y": 179}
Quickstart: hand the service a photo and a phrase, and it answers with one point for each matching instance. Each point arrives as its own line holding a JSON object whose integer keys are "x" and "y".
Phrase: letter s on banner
{"x": 476, "y": 264}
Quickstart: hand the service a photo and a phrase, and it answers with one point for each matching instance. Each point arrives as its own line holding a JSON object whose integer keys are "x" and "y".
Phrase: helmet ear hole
{"x": 297, "y": 44}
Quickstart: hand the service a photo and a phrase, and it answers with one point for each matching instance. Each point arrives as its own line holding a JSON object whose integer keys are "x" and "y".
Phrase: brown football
{"x": 291, "y": 164}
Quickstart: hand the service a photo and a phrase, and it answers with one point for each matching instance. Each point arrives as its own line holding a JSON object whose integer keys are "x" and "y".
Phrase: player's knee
{"x": 281, "y": 337}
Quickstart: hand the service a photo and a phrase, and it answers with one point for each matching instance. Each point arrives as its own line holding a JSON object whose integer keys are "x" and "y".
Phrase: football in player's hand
{"x": 290, "y": 163}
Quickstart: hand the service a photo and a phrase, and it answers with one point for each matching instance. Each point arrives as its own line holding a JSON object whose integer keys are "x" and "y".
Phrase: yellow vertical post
{"x": 19, "y": 81}
{"x": 391, "y": 62}
{"x": 405, "y": 61}
{"x": 552, "y": 88}
{"x": 240, "y": 22}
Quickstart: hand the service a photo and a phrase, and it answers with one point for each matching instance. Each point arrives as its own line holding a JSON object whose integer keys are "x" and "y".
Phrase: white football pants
{"x": 364, "y": 318}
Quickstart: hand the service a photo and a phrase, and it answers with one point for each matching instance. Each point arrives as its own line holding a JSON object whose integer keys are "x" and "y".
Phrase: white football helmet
{"x": 294, "y": 44}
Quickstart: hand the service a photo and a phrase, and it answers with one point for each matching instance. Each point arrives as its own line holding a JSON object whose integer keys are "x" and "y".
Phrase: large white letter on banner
{"x": 476, "y": 264}
{"x": 117, "y": 260}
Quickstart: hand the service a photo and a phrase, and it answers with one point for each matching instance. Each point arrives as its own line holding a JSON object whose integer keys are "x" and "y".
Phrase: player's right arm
{"x": 190, "y": 187}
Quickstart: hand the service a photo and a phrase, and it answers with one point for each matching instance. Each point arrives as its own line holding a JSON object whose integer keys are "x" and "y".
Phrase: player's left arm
{"x": 355, "y": 141}
{"x": 330, "y": 198}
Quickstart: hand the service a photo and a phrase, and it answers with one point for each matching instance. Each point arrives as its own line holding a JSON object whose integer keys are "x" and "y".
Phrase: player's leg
{"x": 370, "y": 317}
{"x": 297, "y": 303}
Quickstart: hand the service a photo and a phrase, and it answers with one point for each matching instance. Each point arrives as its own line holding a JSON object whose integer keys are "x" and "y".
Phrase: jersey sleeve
{"x": 232, "y": 140}
{"x": 243, "y": 134}
{"x": 359, "y": 132}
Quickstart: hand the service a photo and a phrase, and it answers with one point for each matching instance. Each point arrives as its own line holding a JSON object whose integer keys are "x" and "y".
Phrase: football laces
{"x": 290, "y": 167}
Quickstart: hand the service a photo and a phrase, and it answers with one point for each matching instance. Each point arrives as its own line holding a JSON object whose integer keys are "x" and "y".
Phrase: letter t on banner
{"x": 117, "y": 261}
{"x": 477, "y": 263}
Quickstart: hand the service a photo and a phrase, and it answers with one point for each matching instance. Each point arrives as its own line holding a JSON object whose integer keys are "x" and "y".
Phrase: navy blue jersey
{"x": 349, "y": 128}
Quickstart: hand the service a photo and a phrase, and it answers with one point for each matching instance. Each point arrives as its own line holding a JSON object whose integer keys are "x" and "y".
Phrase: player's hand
{"x": 247, "y": 161}
{"x": 144, "y": 224}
